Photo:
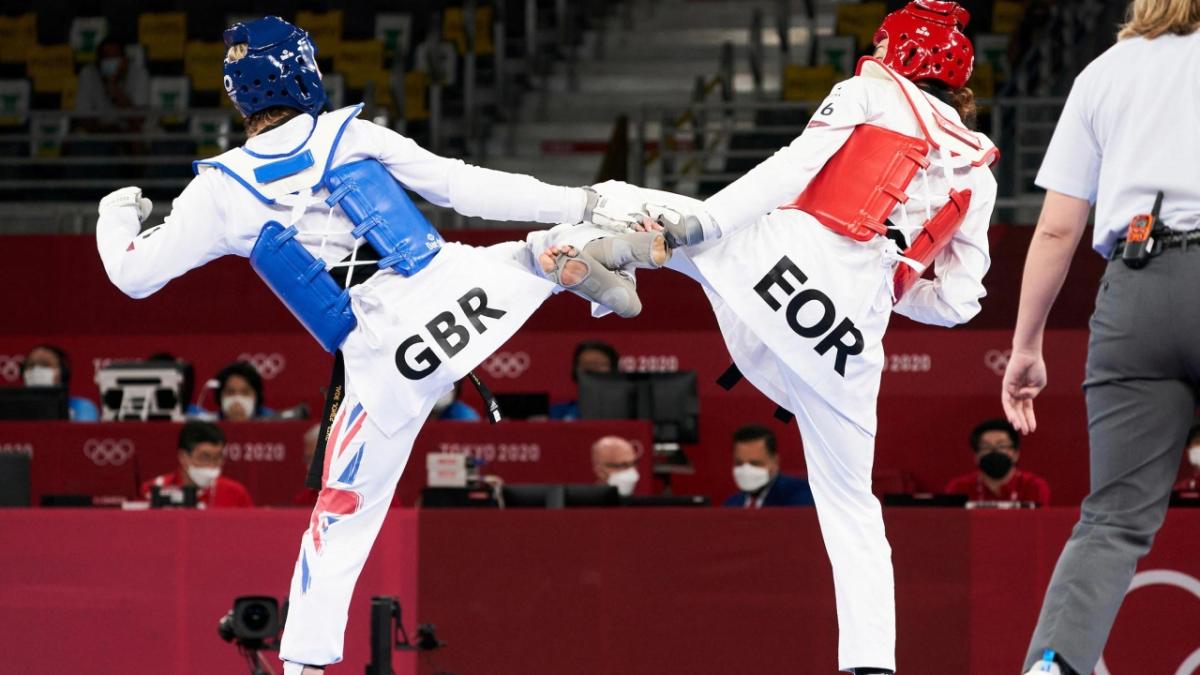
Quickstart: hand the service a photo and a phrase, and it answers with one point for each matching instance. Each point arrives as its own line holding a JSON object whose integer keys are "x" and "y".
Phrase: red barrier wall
{"x": 583, "y": 592}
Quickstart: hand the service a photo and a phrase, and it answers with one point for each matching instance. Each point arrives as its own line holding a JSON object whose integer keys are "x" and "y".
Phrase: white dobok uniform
{"x": 220, "y": 213}
{"x": 785, "y": 329}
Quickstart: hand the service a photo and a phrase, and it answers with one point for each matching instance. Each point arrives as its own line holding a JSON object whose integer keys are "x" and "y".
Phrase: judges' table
{"x": 268, "y": 457}
{"x": 581, "y": 592}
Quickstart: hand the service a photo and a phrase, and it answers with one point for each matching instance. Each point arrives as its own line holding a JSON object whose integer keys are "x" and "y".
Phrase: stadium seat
{"x": 163, "y": 34}
{"x": 860, "y": 21}
{"x": 18, "y": 35}
{"x": 325, "y": 28}
{"x": 837, "y": 51}
{"x": 394, "y": 30}
{"x": 86, "y": 34}
{"x": 51, "y": 67}
{"x": 15, "y": 100}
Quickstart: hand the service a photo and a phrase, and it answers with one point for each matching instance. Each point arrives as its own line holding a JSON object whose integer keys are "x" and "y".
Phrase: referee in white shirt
{"x": 1130, "y": 129}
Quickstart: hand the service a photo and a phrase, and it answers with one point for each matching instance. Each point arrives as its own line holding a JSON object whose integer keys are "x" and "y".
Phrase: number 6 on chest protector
{"x": 382, "y": 214}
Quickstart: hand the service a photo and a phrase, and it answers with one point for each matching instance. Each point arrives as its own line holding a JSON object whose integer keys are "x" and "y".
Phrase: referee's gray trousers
{"x": 1143, "y": 366}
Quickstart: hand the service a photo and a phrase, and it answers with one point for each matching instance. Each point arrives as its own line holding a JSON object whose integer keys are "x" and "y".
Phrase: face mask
{"x": 203, "y": 477}
{"x": 109, "y": 66}
{"x": 624, "y": 480}
{"x": 995, "y": 465}
{"x": 246, "y": 403}
{"x": 1194, "y": 456}
{"x": 40, "y": 376}
{"x": 750, "y": 478}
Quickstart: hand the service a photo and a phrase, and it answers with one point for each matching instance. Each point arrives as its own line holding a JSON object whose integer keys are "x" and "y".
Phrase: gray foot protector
{"x": 686, "y": 231}
{"x": 617, "y": 251}
{"x": 600, "y": 285}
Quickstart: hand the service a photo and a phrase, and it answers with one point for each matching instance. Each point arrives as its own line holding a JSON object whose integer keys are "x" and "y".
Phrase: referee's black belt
{"x": 1163, "y": 239}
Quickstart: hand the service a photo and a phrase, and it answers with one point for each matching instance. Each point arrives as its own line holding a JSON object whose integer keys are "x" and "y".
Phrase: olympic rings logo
{"x": 267, "y": 365}
{"x": 10, "y": 367}
{"x": 1164, "y": 578}
{"x": 996, "y": 360}
{"x": 108, "y": 451}
{"x": 507, "y": 364}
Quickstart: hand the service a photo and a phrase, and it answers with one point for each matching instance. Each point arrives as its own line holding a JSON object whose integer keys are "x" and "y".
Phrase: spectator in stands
{"x": 240, "y": 393}
{"x": 1192, "y": 455}
{"x": 112, "y": 83}
{"x": 201, "y": 454}
{"x": 591, "y": 356}
{"x": 756, "y": 472}
{"x": 48, "y": 366}
{"x": 307, "y": 496}
{"x": 449, "y": 408}
{"x": 615, "y": 460}
{"x": 997, "y": 448}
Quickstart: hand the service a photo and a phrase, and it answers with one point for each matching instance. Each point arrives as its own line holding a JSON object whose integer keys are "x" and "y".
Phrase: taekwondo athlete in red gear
{"x": 316, "y": 200}
{"x": 802, "y": 264}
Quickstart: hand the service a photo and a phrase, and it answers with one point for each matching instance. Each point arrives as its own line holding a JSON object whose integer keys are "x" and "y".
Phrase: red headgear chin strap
{"x": 925, "y": 42}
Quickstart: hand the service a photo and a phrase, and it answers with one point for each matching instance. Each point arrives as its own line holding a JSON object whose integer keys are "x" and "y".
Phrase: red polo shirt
{"x": 1021, "y": 487}
{"x": 226, "y": 493}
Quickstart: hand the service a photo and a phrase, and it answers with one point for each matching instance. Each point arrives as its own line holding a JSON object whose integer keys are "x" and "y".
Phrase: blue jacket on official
{"x": 782, "y": 491}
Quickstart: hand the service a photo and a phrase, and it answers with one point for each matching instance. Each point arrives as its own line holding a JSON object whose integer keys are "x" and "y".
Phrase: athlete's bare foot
{"x": 572, "y": 272}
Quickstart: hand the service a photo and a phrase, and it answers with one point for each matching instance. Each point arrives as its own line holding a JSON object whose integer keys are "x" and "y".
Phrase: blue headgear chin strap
{"x": 279, "y": 68}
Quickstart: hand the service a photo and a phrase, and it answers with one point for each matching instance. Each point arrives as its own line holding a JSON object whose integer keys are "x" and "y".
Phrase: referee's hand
{"x": 1024, "y": 378}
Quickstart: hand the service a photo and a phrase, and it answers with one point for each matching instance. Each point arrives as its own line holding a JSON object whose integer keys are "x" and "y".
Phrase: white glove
{"x": 615, "y": 215}
{"x": 128, "y": 196}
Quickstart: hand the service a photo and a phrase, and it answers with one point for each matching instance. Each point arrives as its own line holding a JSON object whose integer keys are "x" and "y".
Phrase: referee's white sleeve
{"x": 1072, "y": 162}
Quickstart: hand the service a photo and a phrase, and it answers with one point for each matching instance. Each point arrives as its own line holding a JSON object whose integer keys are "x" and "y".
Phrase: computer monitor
{"x": 522, "y": 406}
{"x": 590, "y": 495}
{"x": 457, "y": 498}
{"x": 533, "y": 496}
{"x": 925, "y": 499}
{"x": 669, "y": 400}
{"x": 33, "y": 403}
{"x": 142, "y": 390}
{"x": 14, "y": 479}
{"x": 644, "y": 501}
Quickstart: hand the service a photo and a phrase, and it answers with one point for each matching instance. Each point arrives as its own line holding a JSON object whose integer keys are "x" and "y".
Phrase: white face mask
{"x": 750, "y": 478}
{"x": 40, "y": 376}
{"x": 203, "y": 477}
{"x": 1194, "y": 456}
{"x": 624, "y": 480}
{"x": 246, "y": 403}
{"x": 109, "y": 66}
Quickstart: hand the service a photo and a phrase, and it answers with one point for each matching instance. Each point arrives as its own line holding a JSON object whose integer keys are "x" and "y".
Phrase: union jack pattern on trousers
{"x": 337, "y": 498}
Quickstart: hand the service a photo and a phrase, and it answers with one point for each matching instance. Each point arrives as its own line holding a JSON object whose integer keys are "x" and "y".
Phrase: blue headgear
{"x": 280, "y": 68}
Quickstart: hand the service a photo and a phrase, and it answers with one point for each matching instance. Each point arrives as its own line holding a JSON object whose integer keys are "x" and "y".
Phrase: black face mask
{"x": 995, "y": 465}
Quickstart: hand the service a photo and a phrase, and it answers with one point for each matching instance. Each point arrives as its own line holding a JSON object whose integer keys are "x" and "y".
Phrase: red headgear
{"x": 925, "y": 42}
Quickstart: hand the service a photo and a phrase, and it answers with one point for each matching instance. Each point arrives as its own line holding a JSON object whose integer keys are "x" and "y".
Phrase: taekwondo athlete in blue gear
{"x": 317, "y": 201}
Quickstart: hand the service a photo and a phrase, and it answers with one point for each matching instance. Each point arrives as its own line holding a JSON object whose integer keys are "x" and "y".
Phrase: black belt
{"x": 1163, "y": 239}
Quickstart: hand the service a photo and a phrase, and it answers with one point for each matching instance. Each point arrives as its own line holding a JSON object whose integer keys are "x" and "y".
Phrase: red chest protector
{"x": 864, "y": 181}
{"x": 860, "y": 186}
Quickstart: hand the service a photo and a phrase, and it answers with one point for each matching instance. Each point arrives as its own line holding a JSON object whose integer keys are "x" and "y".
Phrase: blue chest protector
{"x": 375, "y": 202}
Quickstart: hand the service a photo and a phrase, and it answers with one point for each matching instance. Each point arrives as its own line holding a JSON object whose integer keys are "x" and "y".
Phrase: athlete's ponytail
{"x": 961, "y": 99}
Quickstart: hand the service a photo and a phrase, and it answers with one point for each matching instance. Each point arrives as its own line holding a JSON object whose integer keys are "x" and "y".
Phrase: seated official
{"x": 449, "y": 408}
{"x": 1191, "y": 454}
{"x": 48, "y": 366}
{"x": 201, "y": 454}
{"x": 614, "y": 461}
{"x": 591, "y": 356}
{"x": 756, "y": 472}
{"x": 997, "y": 448}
